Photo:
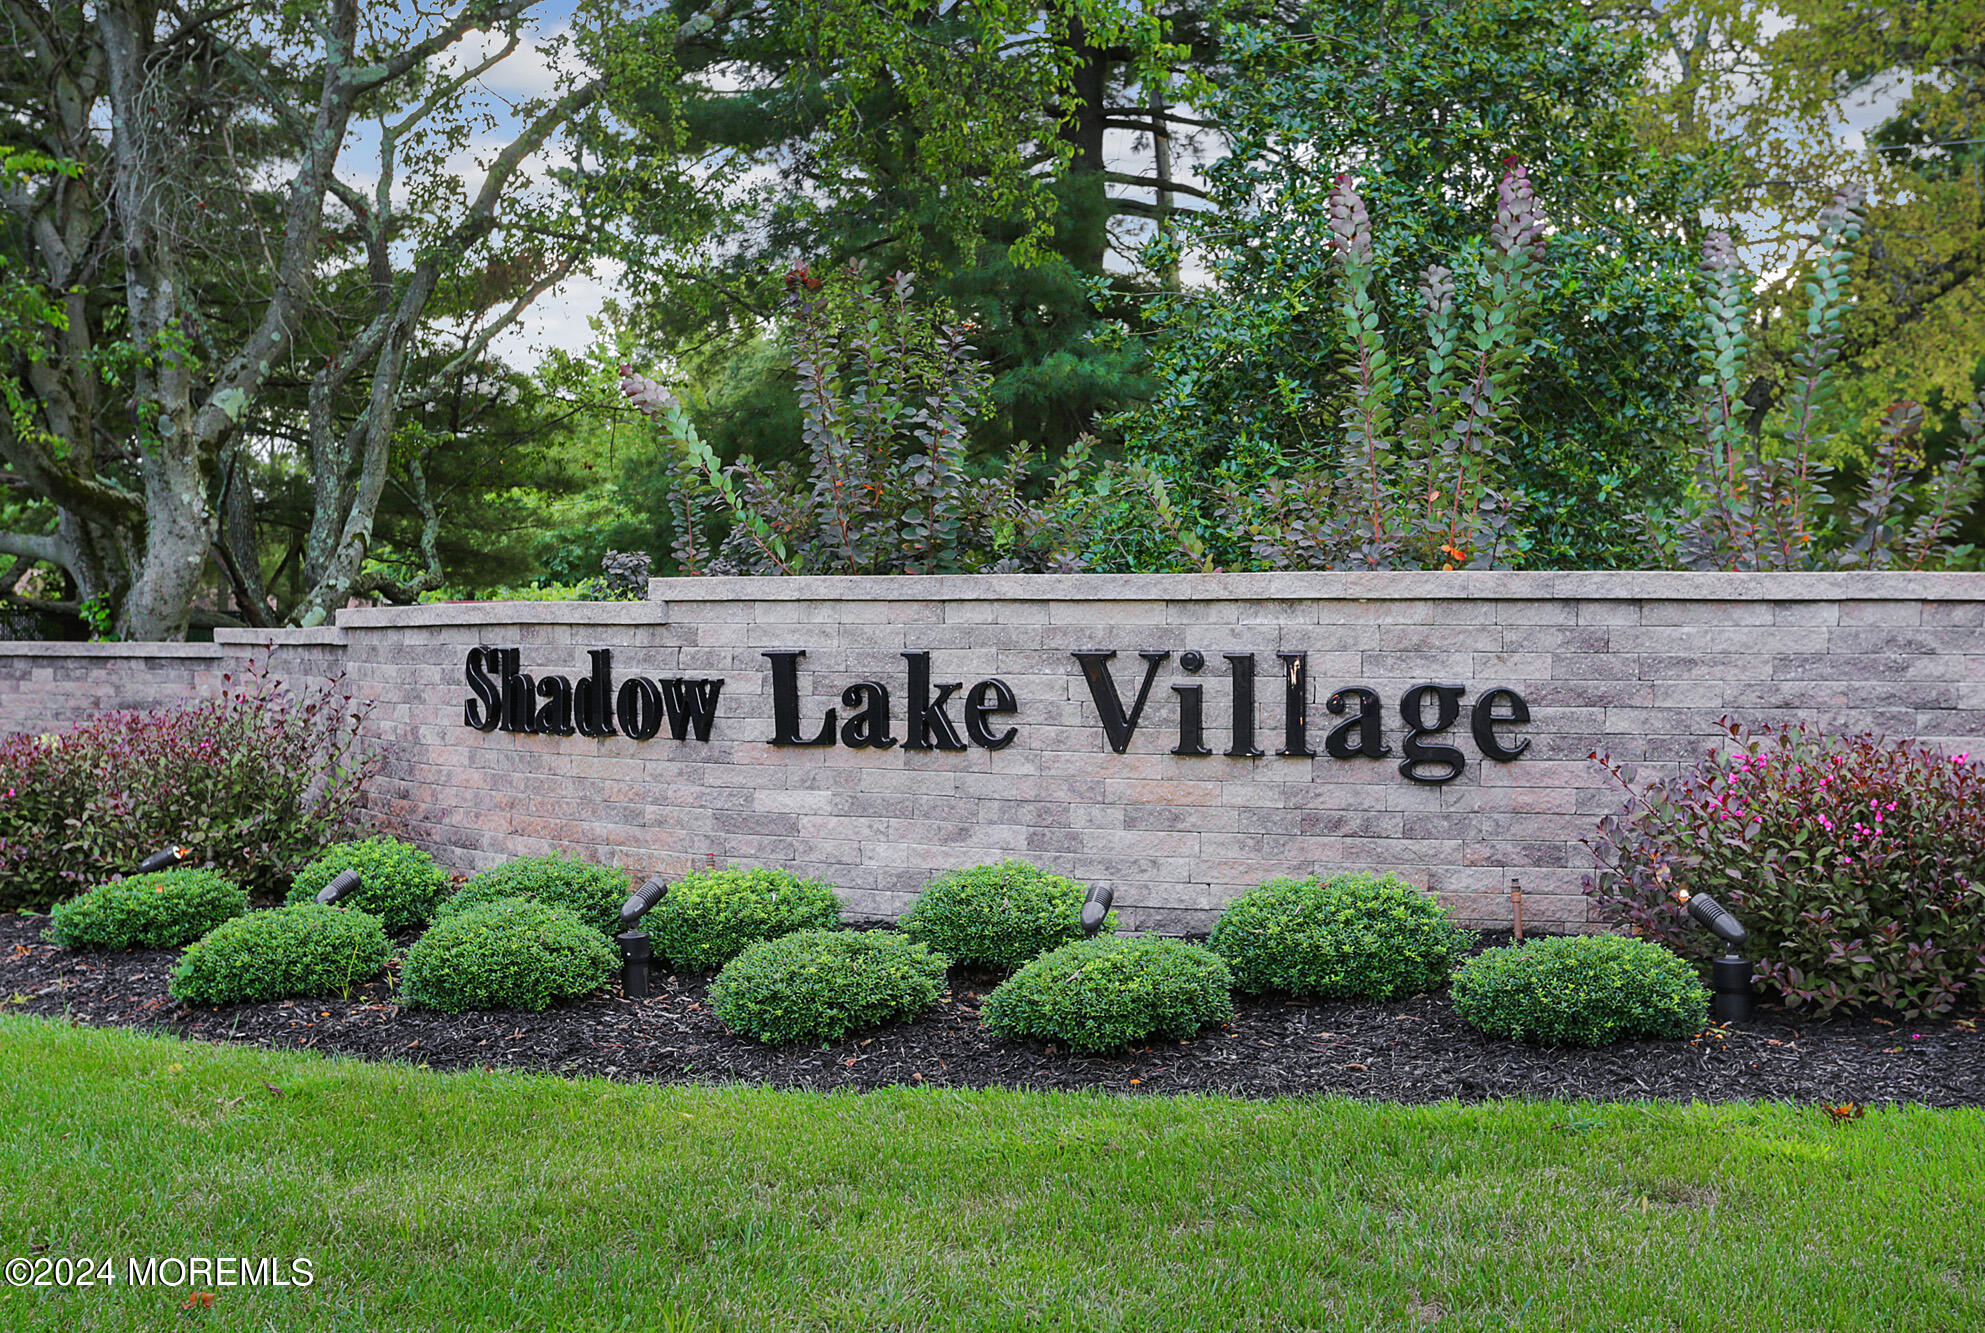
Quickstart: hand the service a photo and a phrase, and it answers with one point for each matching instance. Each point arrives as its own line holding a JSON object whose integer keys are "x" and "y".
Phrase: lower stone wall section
{"x": 1642, "y": 667}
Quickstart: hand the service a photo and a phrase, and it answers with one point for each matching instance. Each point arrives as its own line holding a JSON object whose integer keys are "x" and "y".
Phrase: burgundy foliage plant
{"x": 255, "y": 782}
{"x": 1857, "y": 865}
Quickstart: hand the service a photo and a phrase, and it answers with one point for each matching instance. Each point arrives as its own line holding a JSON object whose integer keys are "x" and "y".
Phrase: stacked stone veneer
{"x": 1641, "y": 666}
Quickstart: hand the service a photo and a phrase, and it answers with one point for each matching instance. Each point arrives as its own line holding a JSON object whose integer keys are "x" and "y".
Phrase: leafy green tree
{"x": 1779, "y": 89}
{"x": 1426, "y": 104}
{"x": 235, "y": 279}
{"x": 966, "y": 144}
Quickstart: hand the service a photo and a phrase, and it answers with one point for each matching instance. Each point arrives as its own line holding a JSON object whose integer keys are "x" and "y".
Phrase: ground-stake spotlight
{"x": 1730, "y": 975}
{"x": 635, "y": 951}
{"x": 343, "y": 885}
{"x": 164, "y": 860}
{"x": 1095, "y": 908}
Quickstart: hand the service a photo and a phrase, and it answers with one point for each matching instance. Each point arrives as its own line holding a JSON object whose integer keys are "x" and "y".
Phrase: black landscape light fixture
{"x": 635, "y": 951}
{"x": 1730, "y": 975}
{"x": 1095, "y": 908}
{"x": 164, "y": 860}
{"x": 343, "y": 885}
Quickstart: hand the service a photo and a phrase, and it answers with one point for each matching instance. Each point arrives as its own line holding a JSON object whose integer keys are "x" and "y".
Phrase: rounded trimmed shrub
{"x": 163, "y": 910}
{"x": 711, "y": 916}
{"x": 1582, "y": 990}
{"x": 402, "y": 885}
{"x": 514, "y": 953}
{"x": 587, "y": 889}
{"x": 1371, "y": 936}
{"x": 998, "y": 916}
{"x": 1102, "y": 994}
{"x": 816, "y": 985}
{"x": 302, "y": 949}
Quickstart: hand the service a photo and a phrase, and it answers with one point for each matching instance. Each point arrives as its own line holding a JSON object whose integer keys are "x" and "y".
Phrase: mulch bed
{"x": 1409, "y": 1051}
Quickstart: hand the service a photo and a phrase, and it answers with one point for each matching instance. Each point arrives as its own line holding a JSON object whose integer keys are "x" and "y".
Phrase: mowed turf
{"x": 509, "y": 1201}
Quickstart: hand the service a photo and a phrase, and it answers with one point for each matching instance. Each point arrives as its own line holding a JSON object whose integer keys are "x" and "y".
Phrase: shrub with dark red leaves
{"x": 255, "y": 782}
{"x": 1857, "y": 865}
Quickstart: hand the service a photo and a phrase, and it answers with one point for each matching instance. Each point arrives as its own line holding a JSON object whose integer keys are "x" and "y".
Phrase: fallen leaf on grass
{"x": 199, "y": 1300}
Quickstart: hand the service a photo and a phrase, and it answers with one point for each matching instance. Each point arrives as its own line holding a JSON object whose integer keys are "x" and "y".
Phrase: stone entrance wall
{"x": 1641, "y": 666}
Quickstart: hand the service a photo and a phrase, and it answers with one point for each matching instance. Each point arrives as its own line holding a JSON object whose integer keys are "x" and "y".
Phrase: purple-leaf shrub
{"x": 1857, "y": 865}
{"x": 255, "y": 782}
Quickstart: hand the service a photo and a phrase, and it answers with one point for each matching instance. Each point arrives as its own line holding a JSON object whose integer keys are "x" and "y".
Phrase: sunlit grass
{"x": 454, "y": 1201}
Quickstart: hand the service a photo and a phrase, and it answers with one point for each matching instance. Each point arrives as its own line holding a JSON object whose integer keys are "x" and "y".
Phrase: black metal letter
{"x": 1192, "y": 720}
{"x": 1109, "y": 704}
{"x": 1361, "y": 735}
{"x": 981, "y": 701}
{"x": 1243, "y": 746}
{"x": 868, "y": 729}
{"x": 786, "y": 703}
{"x": 1412, "y": 707}
{"x": 485, "y": 711}
{"x": 555, "y": 717}
{"x": 640, "y": 708}
{"x": 1295, "y": 706}
{"x": 592, "y": 699}
{"x": 520, "y": 694}
{"x": 691, "y": 704}
{"x": 927, "y": 715}
{"x": 1482, "y": 719}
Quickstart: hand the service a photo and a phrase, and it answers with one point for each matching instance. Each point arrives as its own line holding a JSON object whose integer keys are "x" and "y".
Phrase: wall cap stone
{"x": 1491, "y": 585}
{"x": 44, "y": 648}
{"x": 442, "y": 614}
{"x": 321, "y": 637}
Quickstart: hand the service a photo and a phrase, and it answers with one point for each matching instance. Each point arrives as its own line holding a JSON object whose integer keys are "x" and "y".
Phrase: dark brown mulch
{"x": 1410, "y": 1051}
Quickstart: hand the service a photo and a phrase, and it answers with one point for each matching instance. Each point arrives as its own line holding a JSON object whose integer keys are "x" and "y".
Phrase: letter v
{"x": 1109, "y": 704}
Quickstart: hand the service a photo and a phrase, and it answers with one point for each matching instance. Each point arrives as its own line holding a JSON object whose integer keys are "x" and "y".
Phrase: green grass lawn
{"x": 454, "y": 1201}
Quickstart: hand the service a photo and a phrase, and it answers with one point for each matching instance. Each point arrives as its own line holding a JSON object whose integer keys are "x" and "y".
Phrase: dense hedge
{"x": 1363, "y": 936}
{"x": 1102, "y": 994}
{"x": 1584, "y": 990}
{"x": 587, "y": 889}
{"x": 816, "y": 985}
{"x": 711, "y": 916}
{"x": 998, "y": 916}
{"x": 163, "y": 910}
{"x": 513, "y": 953}
{"x": 302, "y": 949}
{"x": 401, "y": 884}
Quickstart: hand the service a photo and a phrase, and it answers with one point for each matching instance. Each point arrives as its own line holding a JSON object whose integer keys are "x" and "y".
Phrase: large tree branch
{"x": 1151, "y": 183}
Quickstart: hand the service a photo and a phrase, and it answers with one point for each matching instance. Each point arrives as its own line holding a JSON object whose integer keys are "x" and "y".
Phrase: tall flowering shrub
{"x": 1416, "y": 480}
{"x": 1857, "y": 865}
{"x": 255, "y": 781}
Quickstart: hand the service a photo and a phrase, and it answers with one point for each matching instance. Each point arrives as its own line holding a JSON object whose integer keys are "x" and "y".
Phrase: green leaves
{"x": 1350, "y": 936}
{"x": 1102, "y": 994}
{"x": 158, "y": 911}
{"x": 819, "y": 985}
{"x": 998, "y": 916}
{"x": 711, "y": 916}
{"x": 300, "y": 950}
{"x": 512, "y": 953}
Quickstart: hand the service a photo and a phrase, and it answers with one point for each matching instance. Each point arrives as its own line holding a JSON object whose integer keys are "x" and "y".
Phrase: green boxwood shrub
{"x": 514, "y": 953}
{"x": 998, "y": 916}
{"x": 711, "y": 916}
{"x": 402, "y": 884}
{"x": 1370, "y": 936}
{"x": 587, "y": 889}
{"x": 163, "y": 910}
{"x": 1584, "y": 990}
{"x": 1102, "y": 994}
{"x": 816, "y": 985}
{"x": 302, "y": 949}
